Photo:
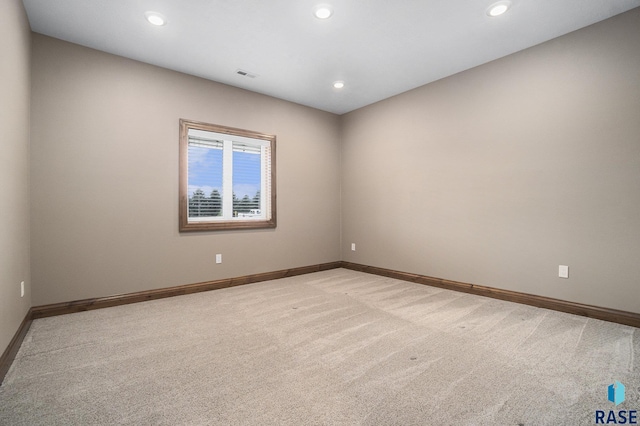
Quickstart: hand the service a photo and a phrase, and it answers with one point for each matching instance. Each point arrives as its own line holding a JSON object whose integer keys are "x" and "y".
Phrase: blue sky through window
{"x": 246, "y": 174}
{"x": 205, "y": 171}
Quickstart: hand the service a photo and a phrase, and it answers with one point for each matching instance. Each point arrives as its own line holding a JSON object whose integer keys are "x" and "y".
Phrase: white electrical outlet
{"x": 353, "y": 246}
{"x": 563, "y": 271}
{"x": 218, "y": 258}
{"x": 22, "y": 289}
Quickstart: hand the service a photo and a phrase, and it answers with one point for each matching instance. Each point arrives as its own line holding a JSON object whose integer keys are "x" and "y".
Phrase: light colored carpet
{"x": 336, "y": 347}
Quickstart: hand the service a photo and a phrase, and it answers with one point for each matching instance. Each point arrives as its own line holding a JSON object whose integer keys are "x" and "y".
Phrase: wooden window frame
{"x": 185, "y": 224}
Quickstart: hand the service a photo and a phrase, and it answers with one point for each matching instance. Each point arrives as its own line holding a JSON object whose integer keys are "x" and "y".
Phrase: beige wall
{"x": 499, "y": 174}
{"x": 105, "y": 178}
{"x": 494, "y": 176}
{"x": 14, "y": 168}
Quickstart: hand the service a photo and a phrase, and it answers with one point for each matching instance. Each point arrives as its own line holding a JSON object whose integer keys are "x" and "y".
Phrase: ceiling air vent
{"x": 245, "y": 73}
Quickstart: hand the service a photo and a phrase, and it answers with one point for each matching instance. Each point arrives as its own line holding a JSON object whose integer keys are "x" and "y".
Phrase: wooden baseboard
{"x": 10, "y": 353}
{"x": 142, "y": 296}
{"x": 124, "y": 299}
{"x": 606, "y": 314}
{"x": 612, "y": 315}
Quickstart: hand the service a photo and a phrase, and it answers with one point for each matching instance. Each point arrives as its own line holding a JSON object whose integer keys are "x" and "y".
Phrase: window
{"x": 227, "y": 178}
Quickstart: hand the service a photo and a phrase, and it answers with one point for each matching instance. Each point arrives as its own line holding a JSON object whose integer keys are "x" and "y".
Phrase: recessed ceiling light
{"x": 322, "y": 11}
{"x": 155, "y": 18}
{"x": 498, "y": 9}
{"x": 338, "y": 84}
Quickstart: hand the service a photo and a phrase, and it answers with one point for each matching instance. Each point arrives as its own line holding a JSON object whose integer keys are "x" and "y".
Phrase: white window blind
{"x": 229, "y": 177}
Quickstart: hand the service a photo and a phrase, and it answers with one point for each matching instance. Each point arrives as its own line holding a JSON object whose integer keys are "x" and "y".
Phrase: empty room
{"x": 244, "y": 212}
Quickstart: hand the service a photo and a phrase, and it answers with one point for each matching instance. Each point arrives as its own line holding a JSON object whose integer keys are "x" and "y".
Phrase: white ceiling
{"x": 378, "y": 47}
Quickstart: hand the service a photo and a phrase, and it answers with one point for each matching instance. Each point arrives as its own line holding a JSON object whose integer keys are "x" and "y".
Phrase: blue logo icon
{"x": 616, "y": 393}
